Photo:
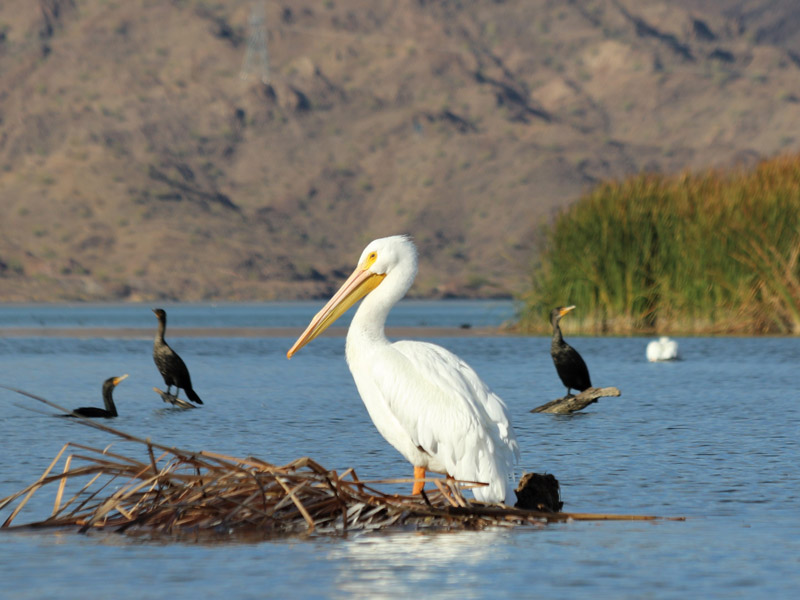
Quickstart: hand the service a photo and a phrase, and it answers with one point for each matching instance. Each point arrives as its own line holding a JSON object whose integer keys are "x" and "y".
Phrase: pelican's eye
{"x": 370, "y": 260}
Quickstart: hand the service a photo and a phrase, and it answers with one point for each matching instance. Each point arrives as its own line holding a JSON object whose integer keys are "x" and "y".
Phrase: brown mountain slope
{"x": 136, "y": 163}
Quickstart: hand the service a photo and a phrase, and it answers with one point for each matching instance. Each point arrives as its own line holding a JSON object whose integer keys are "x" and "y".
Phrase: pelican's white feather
{"x": 451, "y": 421}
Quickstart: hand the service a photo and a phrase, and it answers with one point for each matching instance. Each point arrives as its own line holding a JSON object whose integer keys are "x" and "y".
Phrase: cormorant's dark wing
{"x": 572, "y": 369}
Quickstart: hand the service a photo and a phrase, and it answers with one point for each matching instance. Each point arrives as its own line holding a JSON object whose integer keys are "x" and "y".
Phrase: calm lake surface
{"x": 714, "y": 437}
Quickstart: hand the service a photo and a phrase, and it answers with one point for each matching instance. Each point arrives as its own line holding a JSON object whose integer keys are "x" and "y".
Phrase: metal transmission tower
{"x": 256, "y": 45}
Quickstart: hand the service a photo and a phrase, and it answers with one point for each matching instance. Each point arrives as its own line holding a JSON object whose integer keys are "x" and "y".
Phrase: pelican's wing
{"x": 452, "y": 414}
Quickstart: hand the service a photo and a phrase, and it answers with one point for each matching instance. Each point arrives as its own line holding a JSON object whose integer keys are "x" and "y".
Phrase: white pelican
{"x": 425, "y": 401}
{"x": 662, "y": 349}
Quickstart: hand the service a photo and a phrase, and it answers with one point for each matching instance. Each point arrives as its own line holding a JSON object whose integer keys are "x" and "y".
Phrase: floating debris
{"x": 187, "y": 495}
{"x": 570, "y": 404}
{"x": 174, "y": 400}
{"x": 539, "y": 492}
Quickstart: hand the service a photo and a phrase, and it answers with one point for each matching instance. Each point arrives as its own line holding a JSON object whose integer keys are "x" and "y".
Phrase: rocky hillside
{"x": 137, "y": 163}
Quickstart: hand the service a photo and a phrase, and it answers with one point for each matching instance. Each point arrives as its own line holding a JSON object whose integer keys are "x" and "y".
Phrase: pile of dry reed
{"x": 183, "y": 494}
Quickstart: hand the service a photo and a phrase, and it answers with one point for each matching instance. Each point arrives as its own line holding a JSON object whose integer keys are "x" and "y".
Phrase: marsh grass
{"x": 713, "y": 252}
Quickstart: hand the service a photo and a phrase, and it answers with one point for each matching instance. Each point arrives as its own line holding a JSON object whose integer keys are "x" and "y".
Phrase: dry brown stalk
{"x": 182, "y": 494}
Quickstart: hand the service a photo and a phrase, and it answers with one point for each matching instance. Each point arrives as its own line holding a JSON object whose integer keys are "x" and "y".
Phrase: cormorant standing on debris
{"x": 170, "y": 365}
{"x": 110, "y": 410}
{"x": 569, "y": 364}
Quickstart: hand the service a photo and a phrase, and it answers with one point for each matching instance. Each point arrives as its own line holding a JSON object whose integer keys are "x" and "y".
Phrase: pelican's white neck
{"x": 369, "y": 321}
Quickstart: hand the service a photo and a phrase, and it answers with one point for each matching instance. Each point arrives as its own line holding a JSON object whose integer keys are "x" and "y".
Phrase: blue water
{"x": 713, "y": 437}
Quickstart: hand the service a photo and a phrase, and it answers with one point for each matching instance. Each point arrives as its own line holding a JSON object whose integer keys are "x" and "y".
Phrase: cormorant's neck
{"x": 108, "y": 399}
{"x": 162, "y": 327}
{"x": 557, "y": 337}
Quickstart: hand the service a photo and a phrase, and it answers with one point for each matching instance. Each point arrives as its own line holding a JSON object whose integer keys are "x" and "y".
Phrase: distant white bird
{"x": 662, "y": 349}
{"x": 424, "y": 400}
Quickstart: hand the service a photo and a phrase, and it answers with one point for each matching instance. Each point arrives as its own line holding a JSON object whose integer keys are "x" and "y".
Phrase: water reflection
{"x": 405, "y": 565}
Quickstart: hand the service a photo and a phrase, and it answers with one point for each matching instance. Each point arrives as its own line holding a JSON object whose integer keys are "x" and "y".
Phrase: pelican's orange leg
{"x": 419, "y": 473}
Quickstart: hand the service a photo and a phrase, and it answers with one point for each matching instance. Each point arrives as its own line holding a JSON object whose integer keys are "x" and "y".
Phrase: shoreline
{"x": 403, "y": 332}
{"x": 243, "y": 332}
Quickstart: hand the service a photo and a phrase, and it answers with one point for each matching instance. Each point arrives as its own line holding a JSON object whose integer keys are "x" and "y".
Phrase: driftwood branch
{"x": 174, "y": 400}
{"x": 570, "y": 404}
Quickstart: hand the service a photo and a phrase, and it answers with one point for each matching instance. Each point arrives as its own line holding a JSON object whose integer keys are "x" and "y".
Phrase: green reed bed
{"x": 708, "y": 252}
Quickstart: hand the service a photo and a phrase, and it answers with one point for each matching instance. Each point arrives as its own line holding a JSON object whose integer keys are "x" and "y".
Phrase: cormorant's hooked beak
{"x": 116, "y": 380}
{"x": 565, "y": 310}
{"x": 359, "y": 284}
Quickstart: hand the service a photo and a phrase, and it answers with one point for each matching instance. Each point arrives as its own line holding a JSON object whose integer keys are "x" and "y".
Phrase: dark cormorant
{"x": 110, "y": 410}
{"x": 569, "y": 364}
{"x": 170, "y": 365}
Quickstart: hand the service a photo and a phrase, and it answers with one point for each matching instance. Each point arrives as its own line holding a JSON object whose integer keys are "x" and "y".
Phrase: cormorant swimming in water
{"x": 569, "y": 364}
{"x": 170, "y": 365}
{"x": 110, "y": 410}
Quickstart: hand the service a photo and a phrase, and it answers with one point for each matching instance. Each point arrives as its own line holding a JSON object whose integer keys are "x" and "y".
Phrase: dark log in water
{"x": 570, "y": 404}
{"x": 539, "y": 492}
{"x": 174, "y": 400}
